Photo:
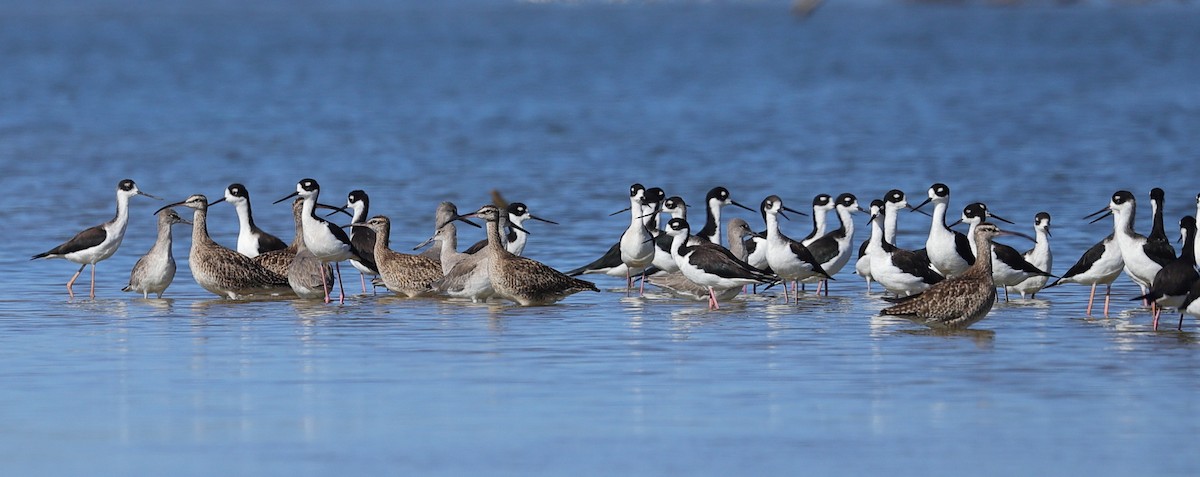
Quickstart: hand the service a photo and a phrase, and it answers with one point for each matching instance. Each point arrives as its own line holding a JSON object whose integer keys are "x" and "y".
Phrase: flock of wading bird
{"x": 951, "y": 283}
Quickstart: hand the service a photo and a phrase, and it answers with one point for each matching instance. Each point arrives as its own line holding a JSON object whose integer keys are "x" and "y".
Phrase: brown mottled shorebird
{"x": 154, "y": 272}
{"x": 958, "y": 302}
{"x": 220, "y": 270}
{"x": 524, "y": 280}
{"x": 404, "y": 274}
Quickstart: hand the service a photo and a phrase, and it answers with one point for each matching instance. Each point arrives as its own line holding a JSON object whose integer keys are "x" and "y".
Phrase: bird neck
{"x": 819, "y": 223}
{"x": 200, "y": 227}
{"x": 939, "y": 215}
{"x": 163, "y": 240}
{"x": 448, "y": 237}
{"x": 1189, "y": 246}
{"x": 712, "y": 223}
{"x": 983, "y": 255}
{"x": 890, "y": 218}
{"x": 493, "y": 234}
{"x": 122, "y": 216}
{"x": 382, "y": 238}
{"x": 245, "y": 216}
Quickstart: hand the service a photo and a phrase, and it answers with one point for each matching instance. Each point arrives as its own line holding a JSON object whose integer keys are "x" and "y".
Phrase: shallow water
{"x": 562, "y": 107}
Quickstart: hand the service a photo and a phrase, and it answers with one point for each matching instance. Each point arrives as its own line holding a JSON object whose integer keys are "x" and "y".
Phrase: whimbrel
{"x": 961, "y": 301}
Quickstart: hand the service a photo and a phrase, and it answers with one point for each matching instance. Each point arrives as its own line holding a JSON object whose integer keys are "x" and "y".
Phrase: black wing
{"x": 806, "y": 256}
{"x": 1160, "y": 251}
{"x": 611, "y": 259}
{"x": 1090, "y": 257}
{"x": 916, "y": 264}
{"x": 720, "y": 261}
{"x": 81, "y": 241}
{"x": 268, "y": 242}
{"x": 1011, "y": 257}
{"x": 963, "y": 245}
{"x": 825, "y": 248}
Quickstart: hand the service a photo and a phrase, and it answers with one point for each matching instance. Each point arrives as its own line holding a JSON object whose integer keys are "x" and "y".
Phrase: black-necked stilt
{"x": 404, "y": 274}
{"x": 362, "y": 238}
{"x": 1157, "y": 243}
{"x": 716, "y": 198}
{"x": 524, "y": 280}
{"x": 893, "y": 201}
{"x": 1141, "y": 263}
{"x": 1100, "y": 265}
{"x": 1174, "y": 280}
{"x": 643, "y": 203}
{"x": 949, "y": 251}
{"x": 899, "y": 271}
{"x": 710, "y": 265}
{"x": 280, "y": 261}
{"x": 326, "y": 241}
{"x": 822, "y": 204}
{"x": 663, "y": 262}
{"x": 961, "y": 301}
{"x": 251, "y": 239}
{"x": 223, "y": 271}
{"x": 97, "y": 243}
{"x": 789, "y": 259}
{"x": 833, "y": 249}
{"x": 154, "y": 272}
{"x": 1039, "y": 256}
{"x": 1009, "y": 267}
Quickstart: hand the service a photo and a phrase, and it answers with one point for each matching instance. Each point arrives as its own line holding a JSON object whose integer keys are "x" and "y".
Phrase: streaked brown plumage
{"x": 223, "y": 271}
{"x": 961, "y": 301}
{"x": 405, "y": 274}
{"x": 278, "y": 261}
{"x": 524, "y": 280}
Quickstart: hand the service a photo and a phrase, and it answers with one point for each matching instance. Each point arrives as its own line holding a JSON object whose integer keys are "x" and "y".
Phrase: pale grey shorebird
{"x": 789, "y": 259}
{"x": 97, "y": 243}
{"x": 1174, "y": 280}
{"x": 709, "y": 265}
{"x": 446, "y": 241}
{"x": 154, "y": 271}
{"x": 307, "y": 275}
{"x": 327, "y": 241}
{"x": 893, "y": 201}
{"x": 958, "y": 302}
{"x": 1141, "y": 260}
{"x": 1009, "y": 267}
{"x": 220, "y": 270}
{"x": 446, "y": 211}
{"x": 470, "y": 278}
{"x": 949, "y": 251}
{"x": 524, "y": 280}
{"x": 252, "y": 240}
{"x": 403, "y": 274}
{"x": 1039, "y": 256}
{"x": 899, "y": 271}
{"x": 833, "y": 249}
{"x": 515, "y": 238}
{"x": 363, "y": 238}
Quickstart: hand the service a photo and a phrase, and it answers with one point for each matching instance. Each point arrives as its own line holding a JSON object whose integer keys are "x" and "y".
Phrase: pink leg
{"x": 1107, "y": 291}
{"x": 1155, "y": 310}
{"x": 70, "y": 292}
{"x": 642, "y": 286}
{"x": 712, "y": 300}
{"x": 92, "y": 288}
{"x": 363, "y": 278}
{"x": 1090, "y": 298}
{"x": 325, "y": 286}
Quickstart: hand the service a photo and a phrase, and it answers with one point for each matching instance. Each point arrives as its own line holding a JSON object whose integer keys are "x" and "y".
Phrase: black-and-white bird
{"x": 326, "y": 241}
{"x": 1142, "y": 261}
{"x": 1038, "y": 256}
{"x": 252, "y": 240}
{"x": 789, "y": 259}
{"x": 899, "y": 271}
{"x": 1174, "y": 280}
{"x": 833, "y": 250}
{"x": 949, "y": 251}
{"x": 710, "y": 265}
{"x": 1101, "y": 264}
{"x": 97, "y": 243}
